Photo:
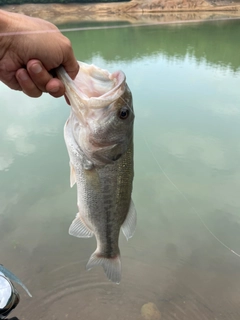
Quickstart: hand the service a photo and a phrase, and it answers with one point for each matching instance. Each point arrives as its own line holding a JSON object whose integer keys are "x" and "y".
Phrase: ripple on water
{"x": 74, "y": 293}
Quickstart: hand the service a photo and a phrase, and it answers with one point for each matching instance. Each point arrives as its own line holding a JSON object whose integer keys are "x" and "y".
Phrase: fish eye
{"x": 123, "y": 113}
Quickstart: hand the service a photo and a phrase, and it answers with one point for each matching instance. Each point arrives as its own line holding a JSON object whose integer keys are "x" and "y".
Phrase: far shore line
{"x": 135, "y": 11}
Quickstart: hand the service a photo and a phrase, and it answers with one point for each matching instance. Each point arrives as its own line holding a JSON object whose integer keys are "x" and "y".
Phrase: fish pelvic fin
{"x": 129, "y": 225}
{"x": 111, "y": 266}
{"x": 79, "y": 229}
{"x": 72, "y": 175}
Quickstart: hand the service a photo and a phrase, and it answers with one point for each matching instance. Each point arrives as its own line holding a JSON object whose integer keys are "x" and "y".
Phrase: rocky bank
{"x": 159, "y": 11}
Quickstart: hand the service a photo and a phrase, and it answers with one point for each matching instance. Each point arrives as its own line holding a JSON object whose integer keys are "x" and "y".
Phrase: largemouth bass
{"x": 99, "y": 140}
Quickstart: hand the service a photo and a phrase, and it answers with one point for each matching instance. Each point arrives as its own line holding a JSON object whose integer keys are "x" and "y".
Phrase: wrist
{"x": 4, "y": 29}
{"x": 8, "y": 24}
{"x": 5, "y": 18}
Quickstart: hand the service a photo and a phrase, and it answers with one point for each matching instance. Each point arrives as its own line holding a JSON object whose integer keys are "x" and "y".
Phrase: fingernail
{"x": 36, "y": 68}
{"x": 54, "y": 90}
{"x": 23, "y": 75}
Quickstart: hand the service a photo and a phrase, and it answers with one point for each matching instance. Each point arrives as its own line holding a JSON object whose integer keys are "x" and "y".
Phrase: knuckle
{"x": 56, "y": 95}
{"x": 67, "y": 44}
{"x": 31, "y": 90}
{"x": 34, "y": 94}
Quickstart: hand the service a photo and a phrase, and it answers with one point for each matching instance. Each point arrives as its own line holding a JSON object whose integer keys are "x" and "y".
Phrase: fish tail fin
{"x": 111, "y": 266}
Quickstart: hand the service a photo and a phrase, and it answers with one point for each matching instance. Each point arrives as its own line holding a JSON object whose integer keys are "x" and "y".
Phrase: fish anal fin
{"x": 129, "y": 225}
{"x": 111, "y": 266}
{"x": 72, "y": 175}
{"x": 79, "y": 229}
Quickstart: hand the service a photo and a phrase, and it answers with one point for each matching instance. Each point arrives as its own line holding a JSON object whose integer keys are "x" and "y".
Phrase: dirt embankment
{"x": 133, "y": 11}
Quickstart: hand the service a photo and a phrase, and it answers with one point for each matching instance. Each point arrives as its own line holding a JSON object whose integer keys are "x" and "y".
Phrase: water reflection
{"x": 186, "y": 98}
{"x": 211, "y": 42}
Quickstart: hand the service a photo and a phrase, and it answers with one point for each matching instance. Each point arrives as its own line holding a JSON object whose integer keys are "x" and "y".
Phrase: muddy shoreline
{"x": 135, "y": 11}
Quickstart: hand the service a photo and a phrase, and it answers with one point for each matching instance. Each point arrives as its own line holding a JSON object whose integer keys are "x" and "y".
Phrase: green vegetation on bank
{"x": 199, "y": 42}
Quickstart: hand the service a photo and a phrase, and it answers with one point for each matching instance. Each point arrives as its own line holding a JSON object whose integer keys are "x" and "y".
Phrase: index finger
{"x": 69, "y": 61}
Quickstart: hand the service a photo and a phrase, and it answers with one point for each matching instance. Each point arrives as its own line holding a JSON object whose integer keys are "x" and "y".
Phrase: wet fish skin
{"x": 99, "y": 139}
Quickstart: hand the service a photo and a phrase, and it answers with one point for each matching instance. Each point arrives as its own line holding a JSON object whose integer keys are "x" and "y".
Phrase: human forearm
{"x": 4, "y": 20}
{"x": 4, "y": 26}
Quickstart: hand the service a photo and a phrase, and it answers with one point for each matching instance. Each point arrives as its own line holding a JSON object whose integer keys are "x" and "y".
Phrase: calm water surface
{"x": 185, "y": 81}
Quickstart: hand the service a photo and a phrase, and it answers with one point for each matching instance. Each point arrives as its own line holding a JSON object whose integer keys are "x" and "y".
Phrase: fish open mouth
{"x": 94, "y": 85}
{"x": 94, "y": 82}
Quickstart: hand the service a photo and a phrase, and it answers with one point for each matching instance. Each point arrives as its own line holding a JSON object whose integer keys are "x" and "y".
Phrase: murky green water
{"x": 185, "y": 81}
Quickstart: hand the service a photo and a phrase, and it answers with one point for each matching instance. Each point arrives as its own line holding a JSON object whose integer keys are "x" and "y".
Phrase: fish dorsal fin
{"x": 79, "y": 229}
{"x": 129, "y": 225}
{"x": 72, "y": 175}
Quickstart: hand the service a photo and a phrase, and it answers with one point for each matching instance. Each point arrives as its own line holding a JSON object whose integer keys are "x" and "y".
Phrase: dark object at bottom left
{"x": 9, "y": 297}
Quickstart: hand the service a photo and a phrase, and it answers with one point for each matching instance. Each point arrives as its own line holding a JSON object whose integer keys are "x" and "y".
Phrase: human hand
{"x": 30, "y": 49}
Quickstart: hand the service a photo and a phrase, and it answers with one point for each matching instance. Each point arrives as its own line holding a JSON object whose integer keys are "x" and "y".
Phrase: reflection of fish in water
{"x": 99, "y": 139}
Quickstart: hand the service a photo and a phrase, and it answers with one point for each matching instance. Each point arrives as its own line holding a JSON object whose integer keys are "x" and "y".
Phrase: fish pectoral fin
{"x": 129, "y": 225}
{"x": 79, "y": 229}
{"x": 87, "y": 164}
{"x": 111, "y": 266}
{"x": 72, "y": 175}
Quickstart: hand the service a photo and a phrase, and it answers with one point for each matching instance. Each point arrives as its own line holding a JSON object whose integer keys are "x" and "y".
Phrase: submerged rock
{"x": 149, "y": 311}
